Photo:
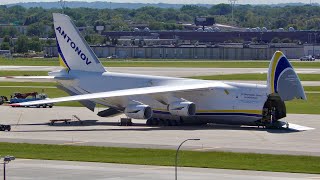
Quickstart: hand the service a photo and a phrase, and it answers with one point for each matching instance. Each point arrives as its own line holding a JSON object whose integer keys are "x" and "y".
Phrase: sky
{"x": 2, "y": 2}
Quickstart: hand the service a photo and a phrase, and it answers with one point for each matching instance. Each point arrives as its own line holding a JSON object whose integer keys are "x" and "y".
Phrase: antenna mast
{"x": 232, "y": 3}
{"x": 62, "y": 4}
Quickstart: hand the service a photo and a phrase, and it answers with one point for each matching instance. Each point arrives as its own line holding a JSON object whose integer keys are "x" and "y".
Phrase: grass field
{"x": 311, "y": 106}
{"x": 225, "y": 160}
{"x": 28, "y": 84}
{"x": 311, "y": 88}
{"x": 256, "y": 77}
{"x": 23, "y": 73}
{"x": 159, "y": 63}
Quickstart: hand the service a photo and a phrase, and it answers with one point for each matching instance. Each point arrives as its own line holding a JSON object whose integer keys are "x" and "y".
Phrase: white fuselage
{"x": 235, "y": 103}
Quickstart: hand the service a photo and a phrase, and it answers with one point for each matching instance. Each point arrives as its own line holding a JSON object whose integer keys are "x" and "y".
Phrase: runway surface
{"x": 31, "y": 125}
{"x": 51, "y": 170}
{"x": 166, "y": 71}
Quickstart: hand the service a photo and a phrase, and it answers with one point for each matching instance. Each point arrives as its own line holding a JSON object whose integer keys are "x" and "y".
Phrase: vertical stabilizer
{"x": 283, "y": 80}
{"x": 74, "y": 52}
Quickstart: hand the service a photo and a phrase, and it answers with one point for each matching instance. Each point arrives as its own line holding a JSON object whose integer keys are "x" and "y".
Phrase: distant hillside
{"x": 113, "y": 5}
{"x": 100, "y": 5}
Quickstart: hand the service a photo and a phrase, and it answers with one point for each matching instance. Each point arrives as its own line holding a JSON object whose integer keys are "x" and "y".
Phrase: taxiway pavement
{"x": 31, "y": 125}
{"x": 50, "y": 170}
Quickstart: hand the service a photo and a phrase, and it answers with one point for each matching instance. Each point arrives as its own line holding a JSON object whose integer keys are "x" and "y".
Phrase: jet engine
{"x": 138, "y": 111}
{"x": 182, "y": 108}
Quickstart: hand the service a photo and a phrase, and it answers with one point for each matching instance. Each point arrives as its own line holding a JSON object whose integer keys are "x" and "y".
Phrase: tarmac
{"x": 31, "y": 125}
{"x": 24, "y": 169}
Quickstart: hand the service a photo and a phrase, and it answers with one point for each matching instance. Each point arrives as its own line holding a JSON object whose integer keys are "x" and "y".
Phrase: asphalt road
{"x": 31, "y": 125}
{"x": 24, "y": 169}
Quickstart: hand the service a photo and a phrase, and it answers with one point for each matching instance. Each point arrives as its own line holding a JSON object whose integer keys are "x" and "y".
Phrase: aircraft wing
{"x": 126, "y": 92}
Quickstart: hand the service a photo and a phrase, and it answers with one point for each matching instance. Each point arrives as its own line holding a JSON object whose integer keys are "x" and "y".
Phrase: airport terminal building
{"x": 215, "y": 52}
{"x": 204, "y": 45}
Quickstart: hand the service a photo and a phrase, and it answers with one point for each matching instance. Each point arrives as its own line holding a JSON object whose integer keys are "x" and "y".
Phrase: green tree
{"x": 6, "y": 39}
{"x": 5, "y": 46}
{"x": 156, "y": 26}
{"x": 7, "y": 42}
{"x": 36, "y": 29}
{"x": 22, "y": 44}
{"x": 220, "y": 9}
{"x": 50, "y": 42}
{"x": 35, "y": 44}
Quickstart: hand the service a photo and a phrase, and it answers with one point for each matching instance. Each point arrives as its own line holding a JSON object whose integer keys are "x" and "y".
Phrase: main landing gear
{"x": 273, "y": 110}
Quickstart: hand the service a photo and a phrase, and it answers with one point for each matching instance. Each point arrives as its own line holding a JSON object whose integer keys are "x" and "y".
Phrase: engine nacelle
{"x": 138, "y": 111}
{"x": 182, "y": 108}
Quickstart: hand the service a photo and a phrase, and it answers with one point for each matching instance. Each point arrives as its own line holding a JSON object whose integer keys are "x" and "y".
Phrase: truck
{"x": 26, "y": 97}
{"x": 5, "y": 127}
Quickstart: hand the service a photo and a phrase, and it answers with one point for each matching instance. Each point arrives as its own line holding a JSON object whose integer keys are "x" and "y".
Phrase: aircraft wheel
{"x": 162, "y": 122}
{"x": 174, "y": 123}
{"x": 155, "y": 121}
{"x": 149, "y": 122}
{"x": 168, "y": 122}
{"x": 181, "y": 122}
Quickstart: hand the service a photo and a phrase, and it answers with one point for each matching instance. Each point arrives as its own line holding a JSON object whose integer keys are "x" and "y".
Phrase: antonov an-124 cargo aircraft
{"x": 165, "y": 99}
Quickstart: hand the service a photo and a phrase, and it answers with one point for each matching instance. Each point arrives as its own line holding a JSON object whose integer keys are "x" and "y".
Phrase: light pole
{"x": 6, "y": 160}
{"x": 176, "y": 164}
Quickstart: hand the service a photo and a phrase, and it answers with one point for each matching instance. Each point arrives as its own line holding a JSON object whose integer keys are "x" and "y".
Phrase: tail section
{"x": 283, "y": 80}
{"x": 74, "y": 52}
